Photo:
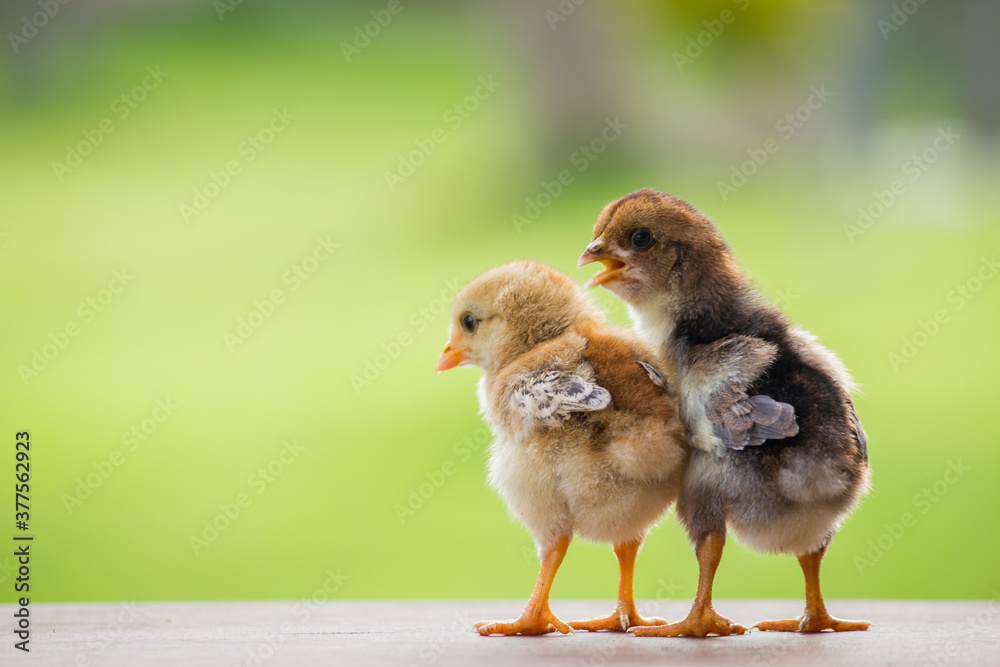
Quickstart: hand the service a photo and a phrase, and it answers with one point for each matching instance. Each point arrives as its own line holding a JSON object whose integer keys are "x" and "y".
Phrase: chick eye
{"x": 469, "y": 322}
{"x": 642, "y": 239}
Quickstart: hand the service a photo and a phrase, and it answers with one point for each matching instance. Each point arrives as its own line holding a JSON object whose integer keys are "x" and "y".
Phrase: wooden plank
{"x": 439, "y": 634}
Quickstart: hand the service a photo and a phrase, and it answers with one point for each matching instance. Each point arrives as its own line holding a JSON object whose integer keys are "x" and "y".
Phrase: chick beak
{"x": 451, "y": 357}
{"x": 613, "y": 267}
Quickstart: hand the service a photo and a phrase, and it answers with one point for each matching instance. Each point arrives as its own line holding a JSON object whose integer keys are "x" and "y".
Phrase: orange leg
{"x": 815, "y": 618}
{"x": 703, "y": 620}
{"x": 537, "y": 618}
{"x": 625, "y": 615}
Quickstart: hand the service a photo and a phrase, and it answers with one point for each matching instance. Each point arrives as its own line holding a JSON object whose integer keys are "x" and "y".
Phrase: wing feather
{"x": 741, "y": 421}
{"x": 860, "y": 432}
{"x": 550, "y": 397}
{"x": 654, "y": 375}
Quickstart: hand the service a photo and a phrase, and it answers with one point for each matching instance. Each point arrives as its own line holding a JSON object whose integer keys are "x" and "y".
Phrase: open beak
{"x": 451, "y": 357}
{"x": 613, "y": 267}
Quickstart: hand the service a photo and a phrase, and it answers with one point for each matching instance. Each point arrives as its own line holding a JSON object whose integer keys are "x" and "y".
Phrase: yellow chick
{"x": 587, "y": 435}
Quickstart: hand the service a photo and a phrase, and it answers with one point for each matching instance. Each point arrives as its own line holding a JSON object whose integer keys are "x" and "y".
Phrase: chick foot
{"x": 702, "y": 620}
{"x": 620, "y": 621}
{"x": 815, "y": 618}
{"x": 697, "y": 624}
{"x": 535, "y": 622}
{"x": 625, "y": 615}
{"x": 812, "y": 623}
{"x": 537, "y": 618}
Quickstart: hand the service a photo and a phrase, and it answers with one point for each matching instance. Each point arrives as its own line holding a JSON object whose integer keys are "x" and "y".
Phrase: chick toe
{"x": 620, "y": 621}
{"x": 812, "y": 623}
{"x": 531, "y": 622}
{"x": 697, "y": 624}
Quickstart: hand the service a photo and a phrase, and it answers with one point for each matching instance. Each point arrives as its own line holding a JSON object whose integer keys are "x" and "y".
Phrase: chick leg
{"x": 702, "y": 620}
{"x": 625, "y": 615}
{"x": 537, "y": 618}
{"x": 815, "y": 618}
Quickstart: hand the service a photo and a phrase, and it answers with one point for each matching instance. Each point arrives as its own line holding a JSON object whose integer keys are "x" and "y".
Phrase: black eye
{"x": 469, "y": 322}
{"x": 642, "y": 239}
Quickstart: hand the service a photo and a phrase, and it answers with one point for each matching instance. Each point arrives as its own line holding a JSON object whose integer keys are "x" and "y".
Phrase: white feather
{"x": 549, "y": 397}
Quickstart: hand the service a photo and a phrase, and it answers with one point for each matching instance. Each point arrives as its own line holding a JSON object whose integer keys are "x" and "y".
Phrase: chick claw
{"x": 538, "y": 623}
{"x": 709, "y": 623}
{"x": 620, "y": 621}
{"x": 812, "y": 623}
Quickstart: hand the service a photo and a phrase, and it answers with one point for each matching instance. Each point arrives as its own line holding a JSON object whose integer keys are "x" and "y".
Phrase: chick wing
{"x": 718, "y": 378}
{"x": 740, "y": 420}
{"x": 549, "y": 397}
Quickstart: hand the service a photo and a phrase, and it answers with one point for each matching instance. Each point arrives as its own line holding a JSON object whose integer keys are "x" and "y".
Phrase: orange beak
{"x": 451, "y": 357}
{"x": 613, "y": 267}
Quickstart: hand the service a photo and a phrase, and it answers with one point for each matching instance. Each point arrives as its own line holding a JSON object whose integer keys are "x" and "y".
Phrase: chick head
{"x": 650, "y": 241}
{"x": 507, "y": 311}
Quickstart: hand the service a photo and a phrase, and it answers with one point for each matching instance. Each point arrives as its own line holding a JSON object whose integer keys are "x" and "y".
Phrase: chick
{"x": 777, "y": 451}
{"x": 587, "y": 437}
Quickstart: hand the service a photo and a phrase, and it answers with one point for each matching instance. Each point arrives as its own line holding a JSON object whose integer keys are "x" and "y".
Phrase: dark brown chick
{"x": 778, "y": 453}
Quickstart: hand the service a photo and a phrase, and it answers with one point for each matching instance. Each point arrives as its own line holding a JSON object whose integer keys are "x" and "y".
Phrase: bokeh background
{"x": 848, "y": 151}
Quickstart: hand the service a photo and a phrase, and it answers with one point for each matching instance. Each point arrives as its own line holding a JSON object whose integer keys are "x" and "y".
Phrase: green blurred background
{"x": 383, "y": 494}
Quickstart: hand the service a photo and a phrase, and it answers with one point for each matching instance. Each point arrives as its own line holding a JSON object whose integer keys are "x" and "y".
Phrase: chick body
{"x": 606, "y": 475}
{"x": 786, "y": 495}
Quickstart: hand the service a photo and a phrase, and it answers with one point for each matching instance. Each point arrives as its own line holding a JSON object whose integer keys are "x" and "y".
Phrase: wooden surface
{"x": 439, "y": 634}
